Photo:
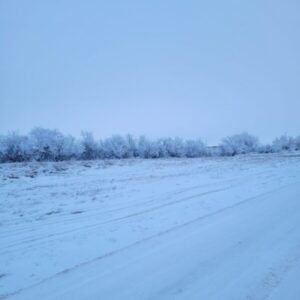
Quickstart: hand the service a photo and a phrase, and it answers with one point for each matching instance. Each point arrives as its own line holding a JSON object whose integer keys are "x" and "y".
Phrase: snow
{"x": 205, "y": 228}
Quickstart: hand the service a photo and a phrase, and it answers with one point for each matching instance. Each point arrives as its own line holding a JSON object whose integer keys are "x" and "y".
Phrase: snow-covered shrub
{"x": 2, "y": 148}
{"x": 118, "y": 147}
{"x": 89, "y": 147}
{"x": 14, "y": 148}
{"x": 50, "y": 144}
{"x": 297, "y": 142}
{"x": 174, "y": 147}
{"x": 131, "y": 146}
{"x": 265, "y": 149}
{"x": 195, "y": 148}
{"x": 239, "y": 144}
{"x": 284, "y": 142}
{"x": 160, "y": 147}
{"x": 151, "y": 149}
{"x": 146, "y": 148}
{"x": 68, "y": 148}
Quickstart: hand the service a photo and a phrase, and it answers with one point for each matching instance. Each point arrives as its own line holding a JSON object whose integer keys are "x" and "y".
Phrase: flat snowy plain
{"x": 210, "y": 228}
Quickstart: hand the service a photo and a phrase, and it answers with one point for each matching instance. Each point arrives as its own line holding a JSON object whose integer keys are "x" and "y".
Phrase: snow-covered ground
{"x": 211, "y": 228}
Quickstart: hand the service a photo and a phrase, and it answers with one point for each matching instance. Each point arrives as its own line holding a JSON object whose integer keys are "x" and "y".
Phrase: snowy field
{"x": 210, "y": 228}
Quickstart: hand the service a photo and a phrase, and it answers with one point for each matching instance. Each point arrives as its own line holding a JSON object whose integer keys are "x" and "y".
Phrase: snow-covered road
{"x": 225, "y": 228}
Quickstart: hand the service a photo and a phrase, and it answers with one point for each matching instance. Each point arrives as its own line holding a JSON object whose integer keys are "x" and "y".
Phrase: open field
{"x": 209, "y": 228}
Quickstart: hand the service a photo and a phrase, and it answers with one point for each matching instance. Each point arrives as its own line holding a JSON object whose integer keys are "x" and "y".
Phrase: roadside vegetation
{"x": 51, "y": 145}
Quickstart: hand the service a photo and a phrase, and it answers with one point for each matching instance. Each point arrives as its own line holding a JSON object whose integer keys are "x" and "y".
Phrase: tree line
{"x": 51, "y": 145}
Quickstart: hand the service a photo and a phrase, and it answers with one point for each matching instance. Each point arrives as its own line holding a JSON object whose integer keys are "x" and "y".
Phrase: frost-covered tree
{"x": 144, "y": 147}
{"x": 156, "y": 149}
{"x": 131, "y": 145}
{"x": 68, "y": 148}
{"x": 118, "y": 147}
{"x": 149, "y": 149}
{"x": 2, "y": 149}
{"x": 160, "y": 148}
{"x": 297, "y": 142}
{"x": 41, "y": 141}
{"x": 174, "y": 147}
{"x": 284, "y": 142}
{"x": 88, "y": 145}
{"x": 239, "y": 144}
{"x": 14, "y": 148}
{"x": 195, "y": 148}
{"x": 50, "y": 144}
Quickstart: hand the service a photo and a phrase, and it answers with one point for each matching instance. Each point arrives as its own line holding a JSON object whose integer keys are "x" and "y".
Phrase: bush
{"x": 48, "y": 144}
{"x": 14, "y": 148}
{"x": 297, "y": 143}
{"x": 89, "y": 148}
{"x": 195, "y": 148}
{"x": 283, "y": 143}
{"x": 239, "y": 144}
{"x": 118, "y": 147}
{"x": 149, "y": 149}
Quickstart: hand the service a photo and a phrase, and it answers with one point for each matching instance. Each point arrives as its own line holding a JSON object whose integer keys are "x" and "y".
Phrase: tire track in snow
{"x": 32, "y": 242}
{"x": 145, "y": 240}
{"x": 97, "y": 225}
{"x": 77, "y": 219}
{"x": 24, "y": 228}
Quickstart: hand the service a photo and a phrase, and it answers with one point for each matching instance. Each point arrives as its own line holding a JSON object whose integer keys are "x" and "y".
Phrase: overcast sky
{"x": 160, "y": 68}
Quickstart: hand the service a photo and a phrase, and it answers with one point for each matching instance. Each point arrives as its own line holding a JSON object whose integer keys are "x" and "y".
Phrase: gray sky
{"x": 161, "y": 68}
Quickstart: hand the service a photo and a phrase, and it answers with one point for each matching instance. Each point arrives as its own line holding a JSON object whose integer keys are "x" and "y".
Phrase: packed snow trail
{"x": 211, "y": 230}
